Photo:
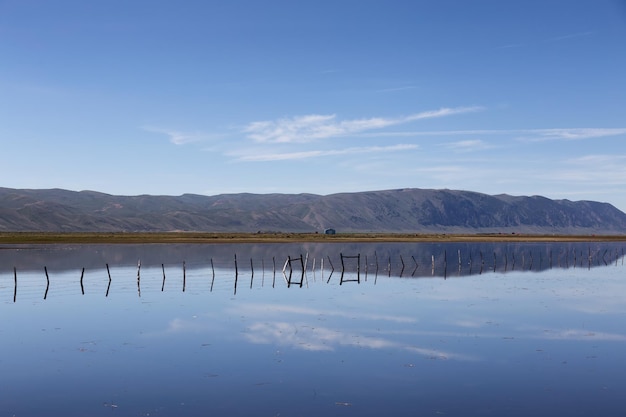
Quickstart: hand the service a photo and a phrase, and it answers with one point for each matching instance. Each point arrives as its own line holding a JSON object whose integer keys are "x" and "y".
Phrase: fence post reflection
{"x": 45, "y": 295}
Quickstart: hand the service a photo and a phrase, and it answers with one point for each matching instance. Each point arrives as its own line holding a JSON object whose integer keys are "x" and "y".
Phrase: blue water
{"x": 519, "y": 342}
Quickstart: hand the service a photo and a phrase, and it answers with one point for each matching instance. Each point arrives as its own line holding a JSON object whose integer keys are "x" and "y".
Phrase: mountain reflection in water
{"x": 397, "y": 259}
{"x": 528, "y": 329}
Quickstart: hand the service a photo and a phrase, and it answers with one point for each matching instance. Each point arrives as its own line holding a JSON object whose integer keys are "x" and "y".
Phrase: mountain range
{"x": 401, "y": 211}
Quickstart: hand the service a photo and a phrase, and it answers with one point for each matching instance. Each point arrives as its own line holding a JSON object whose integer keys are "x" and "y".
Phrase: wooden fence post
{"x": 252, "y": 270}
{"x": 213, "y": 270}
{"x": 139, "y": 278}
{"x": 108, "y": 286}
{"x": 45, "y": 295}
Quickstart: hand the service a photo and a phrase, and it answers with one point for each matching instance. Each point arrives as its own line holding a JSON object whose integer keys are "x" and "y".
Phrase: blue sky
{"x": 209, "y": 97}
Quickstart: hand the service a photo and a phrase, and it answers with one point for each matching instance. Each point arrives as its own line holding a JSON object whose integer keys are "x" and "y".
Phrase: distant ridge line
{"x": 407, "y": 210}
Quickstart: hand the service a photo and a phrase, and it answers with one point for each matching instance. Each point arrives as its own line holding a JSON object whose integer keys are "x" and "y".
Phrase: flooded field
{"x": 400, "y": 329}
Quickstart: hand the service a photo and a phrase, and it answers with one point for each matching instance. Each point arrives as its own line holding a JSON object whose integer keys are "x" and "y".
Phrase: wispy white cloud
{"x": 579, "y": 334}
{"x": 282, "y": 309}
{"x": 178, "y": 325}
{"x": 319, "y": 338}
{"x": 602, "y": 169}
{"x": 469, "y": 323}
{"x": 553, "y": 39}
{"x": 572, "y": 133}
{"x": 570, "y": 36}
{"x": 445, "y": 111}
{"x": 530, "y": 135}
{"x": 470, "y": 145}
{"x": 177, "y": 137}
{"x": 301, "y": 129}
{"x": 441, "y": 354}
{"x": 305, "y": 337}
{"x": 437, "y": 133}
{"x": 601, "y": 159}
{"x": 284, "y": 156}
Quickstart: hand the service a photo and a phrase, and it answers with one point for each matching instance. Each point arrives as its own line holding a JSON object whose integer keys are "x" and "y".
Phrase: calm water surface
{"x": 540, "y": 335}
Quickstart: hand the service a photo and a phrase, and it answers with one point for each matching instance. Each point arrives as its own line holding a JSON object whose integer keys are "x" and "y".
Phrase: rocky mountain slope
{"x": 404, "y": 210}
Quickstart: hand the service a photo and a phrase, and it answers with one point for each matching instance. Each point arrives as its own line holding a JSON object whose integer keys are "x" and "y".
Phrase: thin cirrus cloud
{"x": 601, "y": 160}
{"x": 175, "y": 136}
{"x": 282, "y": 309}
{"x": 570, "y": 36}
{"x": 574, "y": 133}
{"x": 284, "y": 156}
{"x": 470, "y": 145}
{"x": 308, "y": 128}
{"x": 528, "y": 135}
{"x": 582, "y": 334}
{"x": 603, "y": 168}
{"x": 301, "y": 335}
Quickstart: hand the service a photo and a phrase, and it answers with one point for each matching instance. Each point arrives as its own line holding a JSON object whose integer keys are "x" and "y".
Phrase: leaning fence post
{"x": 45, "y": 269}
{"x": 262, "y": 272}
{"x": 252, "y": 273}
{"x": 45, "y": 295}
{"x": 139, "y": 278}
{"x": 15, "y": 286}
{"x": 274, "y": 269}
{"x": 108, "y": 286}
{"x": 376, "y": 259}
{"x": 416, "y": 265}
{"x": 236, "y": 274}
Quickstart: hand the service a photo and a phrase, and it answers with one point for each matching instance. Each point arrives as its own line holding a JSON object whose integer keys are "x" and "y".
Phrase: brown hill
{"x": 404, "y": 210}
